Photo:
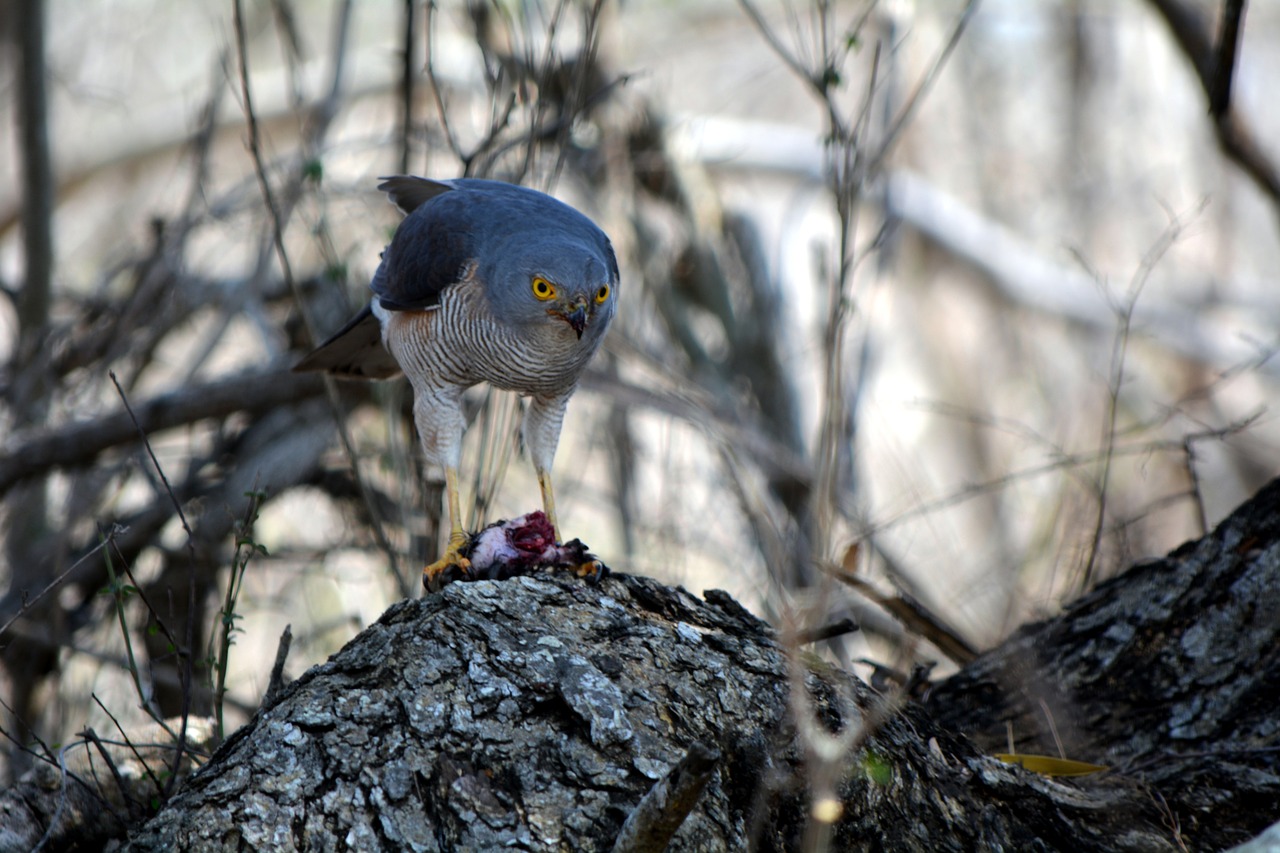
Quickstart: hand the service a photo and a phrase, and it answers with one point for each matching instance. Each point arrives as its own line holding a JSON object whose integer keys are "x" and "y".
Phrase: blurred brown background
{"x": 979, "y": 303}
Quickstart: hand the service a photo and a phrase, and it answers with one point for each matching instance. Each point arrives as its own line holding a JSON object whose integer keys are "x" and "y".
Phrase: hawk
{"x": 484, "y": 281}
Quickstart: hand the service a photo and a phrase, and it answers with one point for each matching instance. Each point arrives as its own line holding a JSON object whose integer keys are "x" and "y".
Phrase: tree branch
{"x": 1225, "y": 64}
{"x": 80, "y": 443}
{"x": 1235, "y": 136}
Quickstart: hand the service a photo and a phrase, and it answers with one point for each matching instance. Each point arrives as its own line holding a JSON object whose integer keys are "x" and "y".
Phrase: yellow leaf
{"x": 1047, "y": 765}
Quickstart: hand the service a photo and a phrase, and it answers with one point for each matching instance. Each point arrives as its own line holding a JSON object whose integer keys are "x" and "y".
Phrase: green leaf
{"x": 875, "y": 768}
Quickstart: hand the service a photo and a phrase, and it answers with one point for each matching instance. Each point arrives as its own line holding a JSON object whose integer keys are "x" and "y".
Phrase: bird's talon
{"x": 449, "y": 568}
{"x": 593, "y": 571}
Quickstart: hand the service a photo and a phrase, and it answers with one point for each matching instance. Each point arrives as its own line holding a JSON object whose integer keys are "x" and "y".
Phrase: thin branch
{"x": 128, "y": 742}
{"x": 322, "y": 115}
{"x": 146, "y": 443}
{"x": 917, "y": 97}
{"x": 1190, "y": 31}
{"x": 408, "y": 74}
{"x": 661, "y": 811}
{"x": 91, "y": 737}
{"x": 1193, "y": 474}
{"x": 1224, "y": 67}
{"x": 442, "y": 109}
{"x": 913, "y": 614}
{"x": 1074, "y": 460}
{"x": 1120, "y": 348}
{"x": 28, "y": 603}
{"x": 276, "y": 683}
{"x": 783, "y": 52}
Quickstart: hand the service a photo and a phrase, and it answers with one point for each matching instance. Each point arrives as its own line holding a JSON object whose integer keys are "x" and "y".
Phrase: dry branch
{"x": 78, "y": 444}
{"x": 1191, "y": 31}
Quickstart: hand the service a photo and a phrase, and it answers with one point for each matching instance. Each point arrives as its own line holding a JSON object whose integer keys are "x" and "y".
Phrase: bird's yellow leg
{"x": 549, "y": 501}
{"x": 438, "y": 573}
{"x": 593, "y": 569}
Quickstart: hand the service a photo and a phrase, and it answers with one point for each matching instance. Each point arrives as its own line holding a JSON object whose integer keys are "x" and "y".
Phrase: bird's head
{"x": 560, "y": 284}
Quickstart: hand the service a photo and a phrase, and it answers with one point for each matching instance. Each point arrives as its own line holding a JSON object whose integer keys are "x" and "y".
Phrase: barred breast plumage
{"x": 459, "y": 342}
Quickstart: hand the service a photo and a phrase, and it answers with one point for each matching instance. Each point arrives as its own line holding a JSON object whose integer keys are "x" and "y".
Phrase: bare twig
{"x": 120, "y": 592}
{"x": 142, "y": 433}
{"x": 917, "y": 618}
{"x": 908, "y": 111}
{"x": 1190, "y": 30}
{"x": 185, "y": 672}
{"x": 1189, "y": 457}
{"x": 91, "y": 737}
{"x": 1136, "y": 448}
{"x": 322, "y": 116}
{"x": 437, "y": 92}
{"x": 839, "y": 628}
{"x": 128, "y": 742}
{"x": 276, "y": 683}
{"x": 1225, "y": 64}
{"x": 1120, "y": 346}
{"x": 31, "y": 601}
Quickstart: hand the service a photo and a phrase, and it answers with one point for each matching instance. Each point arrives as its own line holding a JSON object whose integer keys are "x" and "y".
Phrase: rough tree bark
{"x": 537, "y": 712}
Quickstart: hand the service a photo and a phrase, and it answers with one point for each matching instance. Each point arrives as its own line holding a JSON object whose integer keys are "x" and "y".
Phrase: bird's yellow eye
{"x": 602, "y": 294}
{"x": 543, "y": 289}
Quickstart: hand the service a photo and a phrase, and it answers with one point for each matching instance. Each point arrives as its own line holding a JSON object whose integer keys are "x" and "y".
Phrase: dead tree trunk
{"x": 537, "y": 713}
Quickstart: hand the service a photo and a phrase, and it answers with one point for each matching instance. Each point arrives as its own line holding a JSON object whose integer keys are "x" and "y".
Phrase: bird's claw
{"x": 452, "y": 566}
{"x": 592, "y": 571}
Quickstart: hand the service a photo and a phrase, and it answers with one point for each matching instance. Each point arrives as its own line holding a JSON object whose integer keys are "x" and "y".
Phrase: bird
{"x": 483, "y": 281}
{"x": 508, "y": 548}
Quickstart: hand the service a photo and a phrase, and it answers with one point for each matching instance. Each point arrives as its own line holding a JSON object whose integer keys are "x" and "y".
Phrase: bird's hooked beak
{"x": 577, "y": 317}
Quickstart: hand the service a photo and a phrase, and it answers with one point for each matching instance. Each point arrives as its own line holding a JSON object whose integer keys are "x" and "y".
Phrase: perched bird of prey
{"x": 483, "y": 281}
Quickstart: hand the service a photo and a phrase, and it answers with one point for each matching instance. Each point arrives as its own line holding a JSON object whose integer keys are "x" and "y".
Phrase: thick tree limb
{"x": 36, "y": 169}
{"x": 538, "y": 712}
{"x": 1168, "y": 673}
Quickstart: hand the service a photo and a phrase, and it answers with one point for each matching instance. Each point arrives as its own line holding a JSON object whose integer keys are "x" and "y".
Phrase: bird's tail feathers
{"x": 354, "y": 352}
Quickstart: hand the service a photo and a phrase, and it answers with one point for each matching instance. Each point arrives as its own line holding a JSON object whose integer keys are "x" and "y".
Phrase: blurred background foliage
{"x": 933, "y": 314}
